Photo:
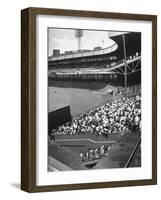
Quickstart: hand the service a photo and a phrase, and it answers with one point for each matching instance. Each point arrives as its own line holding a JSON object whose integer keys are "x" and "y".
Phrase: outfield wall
{"x": 87, "y": 76}
{"x": 58, "y": 117}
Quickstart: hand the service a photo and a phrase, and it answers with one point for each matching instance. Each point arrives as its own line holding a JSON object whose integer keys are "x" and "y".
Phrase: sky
{"x": 65, "y": 40}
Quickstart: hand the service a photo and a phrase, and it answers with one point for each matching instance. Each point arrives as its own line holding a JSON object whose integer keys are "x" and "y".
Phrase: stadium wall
{"x": 118, "y": 79}
{"x": 87, "y": 76}
{"x": 58, "y": 117}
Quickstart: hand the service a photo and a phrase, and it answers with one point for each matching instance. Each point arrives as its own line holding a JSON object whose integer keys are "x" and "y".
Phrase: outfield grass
{"x": 79, "y": 98}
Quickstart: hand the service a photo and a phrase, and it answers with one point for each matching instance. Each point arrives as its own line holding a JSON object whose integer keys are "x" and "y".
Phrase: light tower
{"x": 79, "y": 34}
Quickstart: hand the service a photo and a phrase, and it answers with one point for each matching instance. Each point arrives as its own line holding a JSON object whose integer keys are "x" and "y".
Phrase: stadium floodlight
{"x": 79, "y": 34}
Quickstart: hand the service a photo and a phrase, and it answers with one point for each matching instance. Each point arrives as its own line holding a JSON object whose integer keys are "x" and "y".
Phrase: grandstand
{"x": 100, "y": 58}
{"x": 104, "y": 127}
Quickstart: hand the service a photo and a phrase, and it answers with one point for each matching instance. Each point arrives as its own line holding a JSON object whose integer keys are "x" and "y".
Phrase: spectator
{"x": 111, "y": 118}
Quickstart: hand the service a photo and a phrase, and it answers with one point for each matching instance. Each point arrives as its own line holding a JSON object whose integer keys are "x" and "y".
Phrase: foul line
{"x": 68, "y": 140}
{"x": 133, "y": 152}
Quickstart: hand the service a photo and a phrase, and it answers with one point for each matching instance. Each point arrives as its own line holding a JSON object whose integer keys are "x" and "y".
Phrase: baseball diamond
{"x": 94, "y": 99}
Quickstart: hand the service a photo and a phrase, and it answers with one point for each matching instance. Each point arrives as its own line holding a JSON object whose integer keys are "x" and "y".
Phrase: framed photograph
{"x": 89, "y": 99}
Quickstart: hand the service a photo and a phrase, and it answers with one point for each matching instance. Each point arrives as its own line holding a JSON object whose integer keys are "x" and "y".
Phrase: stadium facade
{"x": 104, "y": 64}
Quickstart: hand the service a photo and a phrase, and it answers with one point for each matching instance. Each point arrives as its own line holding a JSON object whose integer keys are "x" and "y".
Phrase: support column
{"x": 125, "y": 61}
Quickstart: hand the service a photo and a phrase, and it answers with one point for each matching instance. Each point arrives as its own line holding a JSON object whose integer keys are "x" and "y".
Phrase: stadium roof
{"x": 114, "y": 34}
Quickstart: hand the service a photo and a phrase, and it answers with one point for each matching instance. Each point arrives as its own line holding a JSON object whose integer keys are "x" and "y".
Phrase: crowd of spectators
{"x": 116, "y": 117}
{"x": 88, "y": 67}
{"x": 113, "y": 64}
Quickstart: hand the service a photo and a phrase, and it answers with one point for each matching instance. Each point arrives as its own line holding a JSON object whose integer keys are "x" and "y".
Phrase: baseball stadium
{"x": 94, "y": 100}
